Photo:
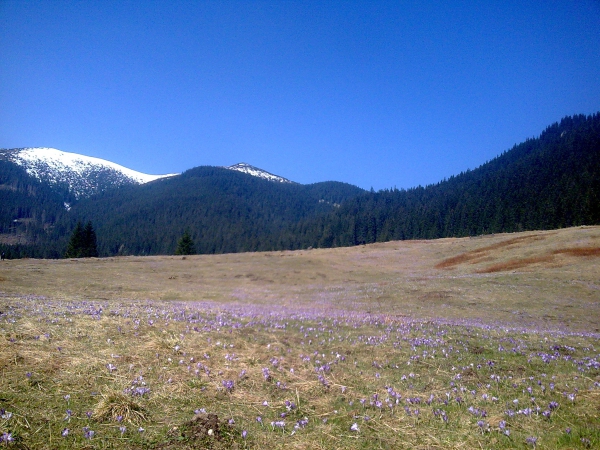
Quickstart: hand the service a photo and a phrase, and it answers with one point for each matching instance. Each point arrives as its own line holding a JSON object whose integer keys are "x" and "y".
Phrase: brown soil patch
{"x": 579, "y": 251}
{"x": 516, "y": 264}
{"x": 483, "y": 252}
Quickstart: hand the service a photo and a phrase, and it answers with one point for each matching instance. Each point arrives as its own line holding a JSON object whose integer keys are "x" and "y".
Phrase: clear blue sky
{"x": 374, "y": 93}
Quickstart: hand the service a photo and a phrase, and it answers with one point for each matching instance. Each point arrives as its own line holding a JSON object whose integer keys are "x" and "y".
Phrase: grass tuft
{"x": 116, "y": 406}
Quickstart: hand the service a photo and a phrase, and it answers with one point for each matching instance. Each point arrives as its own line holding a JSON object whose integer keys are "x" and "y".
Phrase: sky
{"x": 378, "y": 94}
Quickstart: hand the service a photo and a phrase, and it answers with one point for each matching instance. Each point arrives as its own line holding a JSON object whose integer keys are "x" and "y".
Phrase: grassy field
{"x": 488, "y": 342}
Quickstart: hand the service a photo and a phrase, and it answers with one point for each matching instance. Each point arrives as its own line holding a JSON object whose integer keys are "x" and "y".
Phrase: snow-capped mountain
{"x": 256, "y": 172}
{"x": 81, "y": 175}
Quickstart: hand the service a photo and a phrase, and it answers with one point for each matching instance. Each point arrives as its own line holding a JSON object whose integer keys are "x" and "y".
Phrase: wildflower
{"x": 7, "y": 437}
{"x": 301, "y": 423}
{"x": 123, "y": 429}
{"x": 266, "y": 374}
{"x": 64, "y": 432}
{"x": 278, "y": 424}
{"x": 531, "y": 440}
{"x": 259, "y": 419}
{"x": 141, "y": 430}
{"x": 244, "y": 434}
{"x": 354, "y": 427}
{"x": 290, "y": 405}
{"x": 228, "y": 385}
{"x": 87, "y": 433}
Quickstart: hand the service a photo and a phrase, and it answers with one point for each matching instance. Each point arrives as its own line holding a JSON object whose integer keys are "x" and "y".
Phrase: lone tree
{"x": 185, "y": 246}
{"x": 83, "y": 242}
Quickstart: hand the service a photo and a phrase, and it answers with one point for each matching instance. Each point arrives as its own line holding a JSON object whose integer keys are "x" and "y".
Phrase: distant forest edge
{"x": 548, "y": 182}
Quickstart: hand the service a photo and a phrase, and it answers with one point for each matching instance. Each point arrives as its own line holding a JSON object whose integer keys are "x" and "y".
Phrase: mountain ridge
{"x": 552, "y": 181}
{"x": 82, "y": 175}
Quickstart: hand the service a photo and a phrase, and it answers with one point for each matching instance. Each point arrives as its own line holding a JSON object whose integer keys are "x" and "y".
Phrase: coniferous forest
{"x": 552, "y": 181}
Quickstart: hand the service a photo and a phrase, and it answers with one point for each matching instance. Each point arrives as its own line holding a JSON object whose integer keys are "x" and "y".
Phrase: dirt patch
{"x": 514, "y": 264}
{"x": 483, "y": 252}
{"x": 579, "y": 251}
{"x": 204, "y": 431}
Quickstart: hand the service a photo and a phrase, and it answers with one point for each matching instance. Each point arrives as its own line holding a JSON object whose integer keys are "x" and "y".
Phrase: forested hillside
{"x": 224, "y": 211}
{"x": 28, "y": 210}
{"x": 549, "y": 182}
{"x": 552, "y": 181}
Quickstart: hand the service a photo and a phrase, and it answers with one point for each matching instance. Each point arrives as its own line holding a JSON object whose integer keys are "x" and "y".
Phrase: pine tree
{"x": 89, "y": 241}
{"x": 83, "y": 242}
{"x": 75, "y": 243}
{"x": 185, "y": 246}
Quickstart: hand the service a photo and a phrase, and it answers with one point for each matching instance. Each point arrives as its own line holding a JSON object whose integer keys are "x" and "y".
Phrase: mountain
{"x": 82, "y": 176}
{"x": 551, "y": 181}
{"x": 223, "y": 210}
{"x": 256, "y": 172}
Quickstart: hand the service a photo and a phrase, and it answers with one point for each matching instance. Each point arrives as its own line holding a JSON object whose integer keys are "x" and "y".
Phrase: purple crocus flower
{"x": 531, "y": 440}
{"x": 228, "y": 385}
{"x": 7, "y": 437}
{"x": 87, "y": 433}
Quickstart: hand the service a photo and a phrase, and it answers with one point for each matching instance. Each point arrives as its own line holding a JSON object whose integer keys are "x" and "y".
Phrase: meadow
{"x": 487, "y": 342}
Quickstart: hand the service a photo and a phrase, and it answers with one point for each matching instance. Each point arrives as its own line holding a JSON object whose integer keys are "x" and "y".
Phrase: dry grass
{"x": 184, "y": 355}
{"x": 547, "y": 278}
{"x": 115, "y": 406}
{"x": 427, "y": 318}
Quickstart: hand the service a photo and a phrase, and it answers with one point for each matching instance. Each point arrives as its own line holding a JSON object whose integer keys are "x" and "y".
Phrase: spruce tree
{"x": 75, "y": 243}
{"x": 83, "y": 242}
{"x": 90, "y": 248}
{"x": 185, "y": 246}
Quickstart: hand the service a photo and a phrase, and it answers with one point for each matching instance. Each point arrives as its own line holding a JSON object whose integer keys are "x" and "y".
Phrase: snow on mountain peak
{"x": 83, "y": 174}
{"x": 256, "y": 172}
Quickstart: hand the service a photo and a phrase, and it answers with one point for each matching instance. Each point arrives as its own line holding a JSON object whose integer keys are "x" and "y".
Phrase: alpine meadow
{"x": 224, "y": 308}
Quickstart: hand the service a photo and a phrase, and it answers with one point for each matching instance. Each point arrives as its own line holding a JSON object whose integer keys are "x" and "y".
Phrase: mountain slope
{"x": 81, "y": 175}
{"x": 552, "y": 181}
{"x": 224, "y": 210}
{"x": 28, "y": 206}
